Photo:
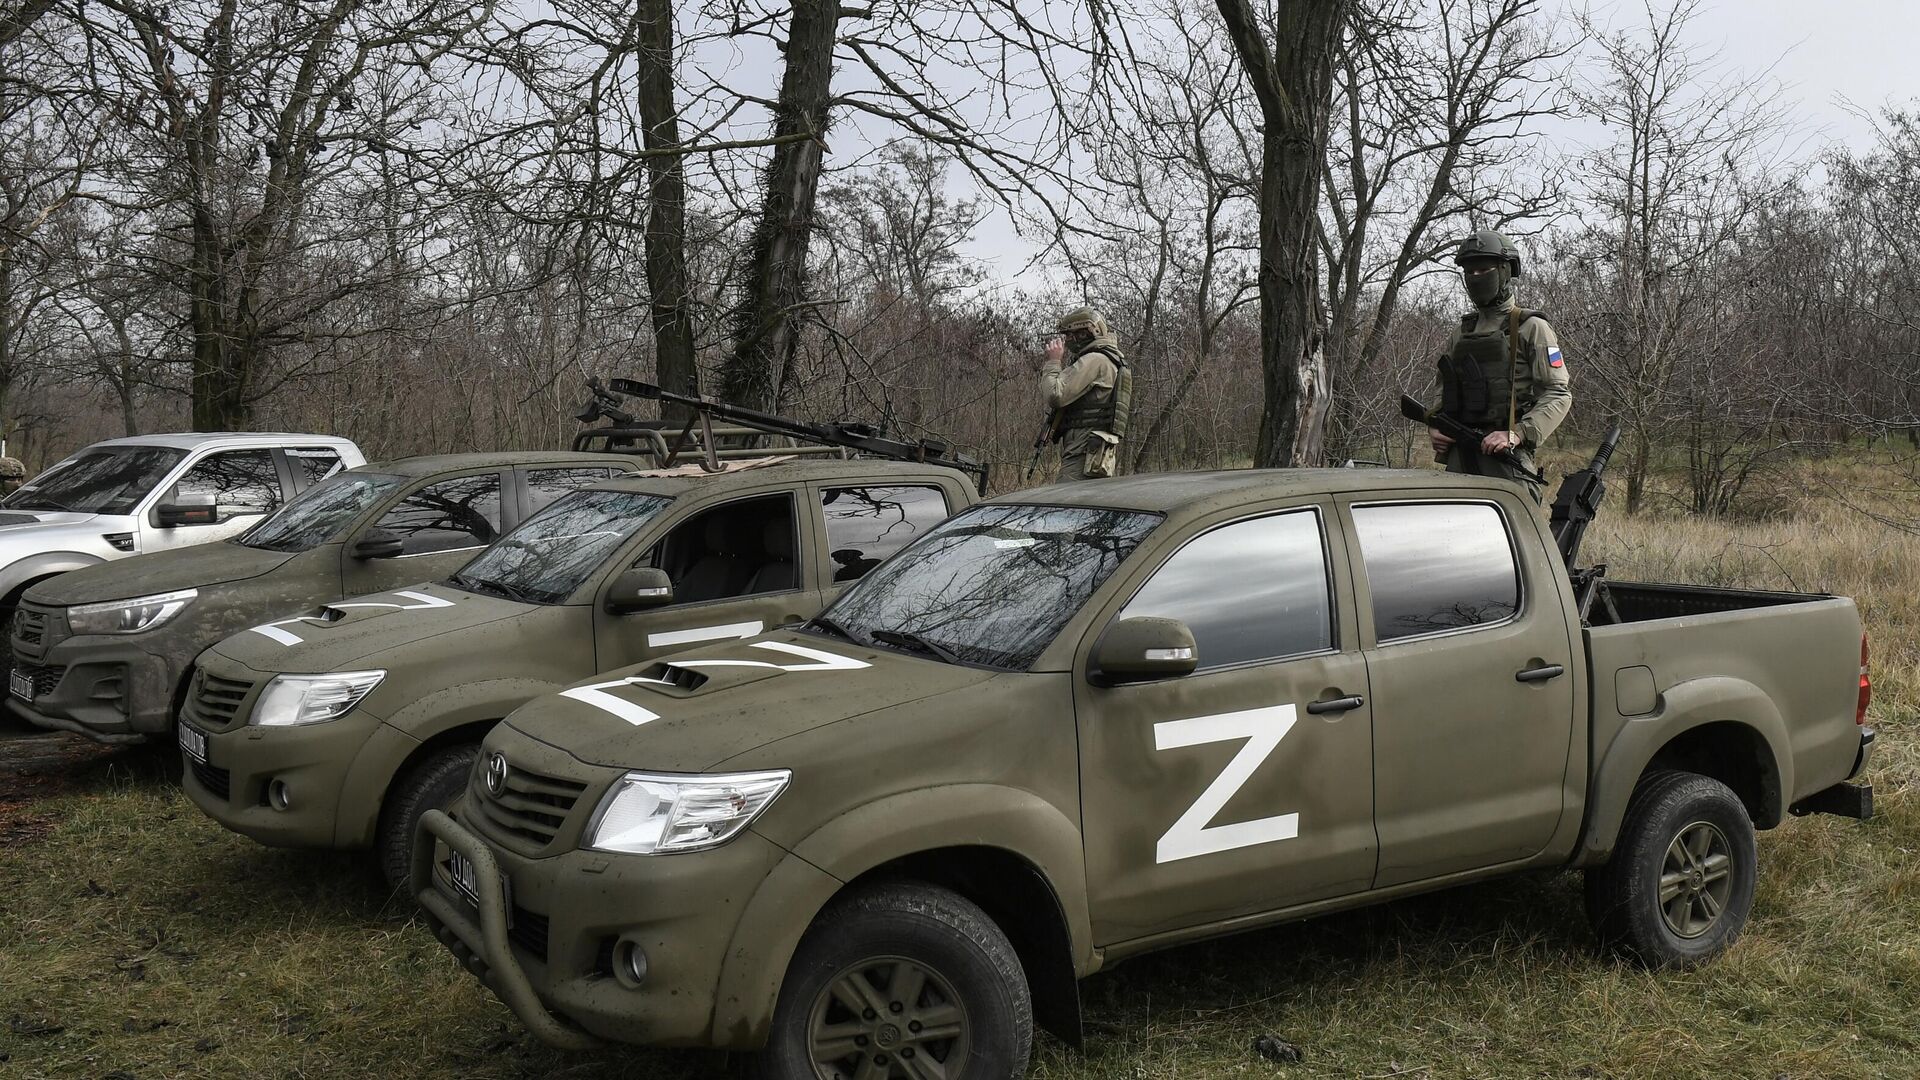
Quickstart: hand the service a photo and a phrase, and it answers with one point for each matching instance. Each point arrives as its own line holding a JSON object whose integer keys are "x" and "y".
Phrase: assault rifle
{"x": 1574, "y": 507}
{"x": 1051, "y": 429}
{"x": 864, "y": 438}
{"x": 1468, "y": 438}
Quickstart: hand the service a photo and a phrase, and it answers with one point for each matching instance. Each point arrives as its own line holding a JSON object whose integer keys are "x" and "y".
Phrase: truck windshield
{"x": 320, "y": 512}
{"x": 993, "y": 585}
{"x": 111, "y": 480}
{"x": 552, "y": 553}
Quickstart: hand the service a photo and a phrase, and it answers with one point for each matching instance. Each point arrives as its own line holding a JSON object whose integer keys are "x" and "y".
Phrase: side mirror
{"x": 638, "y": 589}
{"x": 377, "y": 544}
{"x": 196, "y": 509}
{"x": 1143, "y": 650}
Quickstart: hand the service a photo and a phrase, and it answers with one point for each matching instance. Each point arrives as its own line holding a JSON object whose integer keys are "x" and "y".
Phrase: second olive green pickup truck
{"x": 1083, "y": 722}
{"x": 337, "y": 727}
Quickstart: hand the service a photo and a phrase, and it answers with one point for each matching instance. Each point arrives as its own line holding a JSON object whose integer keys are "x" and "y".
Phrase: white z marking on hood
{"x": 706, "y": 633}
{"x": 633, "y": 713}
{"x": 287, "y": 637}
{"x": 597, "y": 696}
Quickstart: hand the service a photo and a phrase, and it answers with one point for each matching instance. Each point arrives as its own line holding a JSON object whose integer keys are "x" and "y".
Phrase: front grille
{"x": 530, "y": 806}
{"x": 216, "y": 780}
{"x": 29, "y": 627}
{"x": 529, "y": 931}
{"x": 44, "y": 678}
{"x": 216, "y": 700}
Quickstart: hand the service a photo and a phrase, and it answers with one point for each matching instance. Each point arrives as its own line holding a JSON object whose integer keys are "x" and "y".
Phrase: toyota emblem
{"x": 496, "y": 774}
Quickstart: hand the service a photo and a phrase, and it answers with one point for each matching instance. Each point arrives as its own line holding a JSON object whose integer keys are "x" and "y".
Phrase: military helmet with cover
{"x": 1085, "y": 320}
{"x": 11, "y": 468}
{"x": 1488, "y": 243}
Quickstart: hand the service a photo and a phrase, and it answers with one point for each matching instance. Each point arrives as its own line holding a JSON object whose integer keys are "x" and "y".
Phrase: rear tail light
{"x": 1866, "y": 686}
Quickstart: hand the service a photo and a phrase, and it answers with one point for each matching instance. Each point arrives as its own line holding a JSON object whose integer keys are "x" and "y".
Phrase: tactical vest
{"x": 1476, "y": 378}
{"x": 1102, "y": 410}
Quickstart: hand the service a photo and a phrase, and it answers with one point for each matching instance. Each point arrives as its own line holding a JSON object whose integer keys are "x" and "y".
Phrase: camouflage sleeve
{"x": 1059, "y": 388}
{"x": 1553, "y": 392}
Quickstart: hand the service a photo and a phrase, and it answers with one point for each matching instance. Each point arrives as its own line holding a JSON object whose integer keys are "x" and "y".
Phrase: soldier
{"x": 1087, "y": 400}
{"x": 1502, "y": 373}
{"x": 12, "y": 475}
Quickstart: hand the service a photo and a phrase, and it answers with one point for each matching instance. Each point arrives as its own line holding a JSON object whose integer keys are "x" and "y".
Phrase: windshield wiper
{"x": 496, "y": 588}
{"x": 831, "y": 627}
{"x": 911, "y": 640}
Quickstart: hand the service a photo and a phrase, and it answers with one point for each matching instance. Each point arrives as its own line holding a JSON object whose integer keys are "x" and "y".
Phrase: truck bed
{"x": 1622, "y": 602}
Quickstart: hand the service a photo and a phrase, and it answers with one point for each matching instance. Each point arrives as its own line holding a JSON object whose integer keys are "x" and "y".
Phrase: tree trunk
{"x": 766, "y": 325}
{"x": 666, "y": 203}
{"x": 1294, "y": 85}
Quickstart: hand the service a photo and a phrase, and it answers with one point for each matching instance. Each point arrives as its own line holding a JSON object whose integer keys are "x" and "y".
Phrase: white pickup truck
{"x": 151, "y": 493}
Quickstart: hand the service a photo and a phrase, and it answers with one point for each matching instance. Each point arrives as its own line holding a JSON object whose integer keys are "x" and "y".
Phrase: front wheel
{"x": 1679, "y": 886}
{"x": 432, "y": 784}
{"x": 901, "y": 980}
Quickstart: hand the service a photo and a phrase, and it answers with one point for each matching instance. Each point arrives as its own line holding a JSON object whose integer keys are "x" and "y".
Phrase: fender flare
{"x": 872, "y": 835}
{"x": 380, "y": 758}
{"x": 1683, "y": 707}
{"x": 45, "y": 564}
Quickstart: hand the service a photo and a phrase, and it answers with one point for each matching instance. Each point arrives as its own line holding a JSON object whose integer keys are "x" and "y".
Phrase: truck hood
{"x": 162, "y": 571}
{"x": 338, "y": 636}
{"x": 17, "y": 522}
{"x": 701, "y": 707}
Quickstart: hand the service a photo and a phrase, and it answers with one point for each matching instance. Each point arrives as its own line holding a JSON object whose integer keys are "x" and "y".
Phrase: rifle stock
{"x": 1411, "y": 408}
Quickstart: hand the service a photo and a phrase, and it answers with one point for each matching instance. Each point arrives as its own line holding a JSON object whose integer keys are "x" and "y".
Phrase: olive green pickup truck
{"x": 340, "y": 726}
{"x": 105, "y": 651}
{"x": 1082, "y": 722}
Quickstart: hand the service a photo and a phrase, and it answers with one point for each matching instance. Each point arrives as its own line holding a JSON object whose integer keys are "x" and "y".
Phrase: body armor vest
{"x": 1476, "y": 378}
{"x": 1102, "y": 410}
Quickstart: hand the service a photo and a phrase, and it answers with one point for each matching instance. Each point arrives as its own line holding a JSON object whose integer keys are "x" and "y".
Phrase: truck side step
{"x": 1843, "y": 800}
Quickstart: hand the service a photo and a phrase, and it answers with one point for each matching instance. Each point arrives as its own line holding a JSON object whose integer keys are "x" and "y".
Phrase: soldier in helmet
{"x": 1088, "y": 397}
{"x": 12, "y": 475}
{"x": 1502, "y": 373}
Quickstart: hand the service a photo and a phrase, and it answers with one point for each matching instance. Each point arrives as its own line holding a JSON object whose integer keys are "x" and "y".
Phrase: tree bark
{"x": 1293, "y": 83}
{"x": 766, "y": 325}
{"x": 666, "y": 201}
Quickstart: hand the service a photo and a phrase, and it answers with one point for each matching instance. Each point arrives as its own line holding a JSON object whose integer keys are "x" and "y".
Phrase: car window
{"x": 741, "y": 548}
{"x": 546, "y": 485}
{"x": 319, "y": 513}
{"x": 1252, "y": 590}
{"x": 314, "y": 464}
{"x": 105, "y": 481}
{"x": 1433, "y": 567}
{"x": 240, "y": 481}
{"x": 460, "y": 513}
{"x": 546, "y": 558}
{"x": 867, "y": 524}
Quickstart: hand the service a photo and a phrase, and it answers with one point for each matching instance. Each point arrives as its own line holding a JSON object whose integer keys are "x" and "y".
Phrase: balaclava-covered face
{"x": 1492, "y": 285}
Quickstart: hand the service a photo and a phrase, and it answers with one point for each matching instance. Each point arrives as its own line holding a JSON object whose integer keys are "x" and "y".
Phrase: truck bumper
{"x": 279, "y": 786}
{"x": 1844, "y": 799}
{"x": 119, "y": 694}
{"x": 553, "y": 937}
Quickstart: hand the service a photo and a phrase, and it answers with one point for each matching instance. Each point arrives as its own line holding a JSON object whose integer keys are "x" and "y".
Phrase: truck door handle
{"x": 1539, "y": 674}
{"x": 1335, "y": 705}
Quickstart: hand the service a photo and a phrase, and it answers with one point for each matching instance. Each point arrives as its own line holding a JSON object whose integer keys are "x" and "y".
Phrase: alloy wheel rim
{"x": 885, "y": 1017}
{"x": 1696, "y": 880}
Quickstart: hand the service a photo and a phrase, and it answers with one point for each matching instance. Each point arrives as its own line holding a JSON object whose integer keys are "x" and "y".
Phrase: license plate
{"x": 466, "y": 882}
{"x": 194, "y": 742}
{"x": 20, "y": 686}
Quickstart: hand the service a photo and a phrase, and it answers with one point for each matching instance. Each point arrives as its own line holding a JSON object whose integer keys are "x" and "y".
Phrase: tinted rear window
{"x": 1433, "y": 567}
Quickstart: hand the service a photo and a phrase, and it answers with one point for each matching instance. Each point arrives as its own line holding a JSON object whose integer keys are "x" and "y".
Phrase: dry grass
{"x": 159, "y": 945}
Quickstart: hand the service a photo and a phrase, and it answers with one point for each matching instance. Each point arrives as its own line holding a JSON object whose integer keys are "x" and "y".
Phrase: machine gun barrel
{"x": 1412, "y": 409}
{"x": 860, "y": 437}
{"x": 1574, "y": 508}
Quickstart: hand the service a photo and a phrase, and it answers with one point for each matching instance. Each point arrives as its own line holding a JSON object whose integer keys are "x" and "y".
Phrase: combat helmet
{"x": 1485, "y": 243}
{"x": 1083, "y": 318}
{"x": 11, "y": 468}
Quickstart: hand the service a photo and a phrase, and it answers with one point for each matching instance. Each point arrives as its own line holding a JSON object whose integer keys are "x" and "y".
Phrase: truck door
{"x": 245, "y": 485}
{"x": 1246, "y": 786}
{"x": 737, "y": 571}
{"x": 443, "y": 524}
{"x": 1469, "y": 656}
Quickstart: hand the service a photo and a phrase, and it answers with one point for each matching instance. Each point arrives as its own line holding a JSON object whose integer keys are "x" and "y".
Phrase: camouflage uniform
{"x": 1502, "y": 370}
{"x": 12, "y": 475}
{"x": 1091, "y": 394}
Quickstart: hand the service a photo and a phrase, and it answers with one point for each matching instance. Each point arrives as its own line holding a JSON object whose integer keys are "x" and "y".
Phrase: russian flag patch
{"x": 1553, "y": 357}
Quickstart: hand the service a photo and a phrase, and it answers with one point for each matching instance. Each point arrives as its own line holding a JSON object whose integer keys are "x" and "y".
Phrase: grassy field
{"x": 138, "y": 939}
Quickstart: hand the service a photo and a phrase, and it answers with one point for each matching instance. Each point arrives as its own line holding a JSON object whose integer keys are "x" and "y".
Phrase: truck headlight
{"x": 129, "y": 616}
{"x": 293, "y": 700}
{"x": 659, "y": 814}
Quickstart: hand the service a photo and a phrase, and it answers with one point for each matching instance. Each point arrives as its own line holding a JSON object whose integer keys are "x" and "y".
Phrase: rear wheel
{"x": 432, "y": 784}
{"x": 901, "y": 980}
{"x": 1680, "y": 884}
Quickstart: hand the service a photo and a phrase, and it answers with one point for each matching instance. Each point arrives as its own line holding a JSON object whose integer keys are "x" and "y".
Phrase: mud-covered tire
{"x": 1679, "y": 886}
{"x": 913, "y": 952}
{"x": 432, "y": 784}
